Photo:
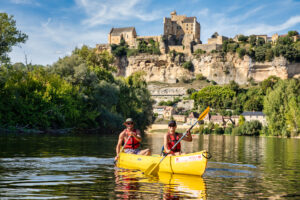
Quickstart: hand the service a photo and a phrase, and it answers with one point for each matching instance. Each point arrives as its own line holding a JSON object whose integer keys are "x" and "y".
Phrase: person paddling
{"x": 172, "y": 137}
{"x": 132, "y": 139}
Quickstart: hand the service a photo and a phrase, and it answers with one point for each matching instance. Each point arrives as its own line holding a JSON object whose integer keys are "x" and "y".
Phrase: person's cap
{"x": 128, "y": 120}
{"x": 172, "y": 123}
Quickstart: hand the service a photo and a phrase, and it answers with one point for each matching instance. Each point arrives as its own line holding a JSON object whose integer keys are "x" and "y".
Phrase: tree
{"x": 9, "y": 36}
{"x": 242, "y": 38}
{"x": 281, "y": 105}
{"x": 292, "y": 33}
{"x": 241, "y": 52}
{"x": 260, "y": 41}
{"x": 252, "y": 40}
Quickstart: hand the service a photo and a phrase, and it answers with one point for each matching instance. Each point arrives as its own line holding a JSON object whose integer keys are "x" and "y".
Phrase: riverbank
{"x": 181, "y": 128}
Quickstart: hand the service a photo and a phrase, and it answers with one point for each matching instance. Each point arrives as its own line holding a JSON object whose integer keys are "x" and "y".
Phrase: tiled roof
{"x": 119, "y": 31}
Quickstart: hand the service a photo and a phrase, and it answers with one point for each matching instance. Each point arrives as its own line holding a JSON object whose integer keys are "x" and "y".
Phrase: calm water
{"x": 81, "y": 167}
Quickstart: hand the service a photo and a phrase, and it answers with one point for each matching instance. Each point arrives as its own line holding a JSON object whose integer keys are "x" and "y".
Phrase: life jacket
{"x": 132, "y": 143}
{"x": 173, "y": 141}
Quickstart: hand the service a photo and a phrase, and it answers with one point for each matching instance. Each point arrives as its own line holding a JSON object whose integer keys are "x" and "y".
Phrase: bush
{"x": 199, "y": 52}
{"x": 292, "y": 33}
{"x": 186, "y": 79}
{"x": 200, "y": 77}
{"x": 190, "y": 91}
{"x": 228, "y": 130}
{"x": 252, "y": 40}
{"x": 232, "y": 47}
{"x": 242, "y": 38}
{"x": 188, "y": 65}
{"x": 241, "y": 52}
{"x": 260, "y": 41}
{"x": 132, "y": 52}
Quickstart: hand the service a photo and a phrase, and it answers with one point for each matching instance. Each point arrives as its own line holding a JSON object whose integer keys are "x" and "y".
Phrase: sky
{"x": 56, "y": 27}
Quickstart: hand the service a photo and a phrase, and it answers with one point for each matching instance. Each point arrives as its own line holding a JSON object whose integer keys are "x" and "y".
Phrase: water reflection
{"x": 131, "y": 184}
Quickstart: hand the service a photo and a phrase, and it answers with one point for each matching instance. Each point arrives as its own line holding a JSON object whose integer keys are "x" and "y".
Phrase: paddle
{"x": 123, "y": 147}
{"x": 153, "y": 168}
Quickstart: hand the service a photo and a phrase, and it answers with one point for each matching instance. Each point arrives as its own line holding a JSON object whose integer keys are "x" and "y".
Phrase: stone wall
{"x": 207, "y": 47}
{"x": 177, "y": 48}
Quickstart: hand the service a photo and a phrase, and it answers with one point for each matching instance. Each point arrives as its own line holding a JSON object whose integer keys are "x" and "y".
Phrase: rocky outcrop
{"x": 214, "y": 66}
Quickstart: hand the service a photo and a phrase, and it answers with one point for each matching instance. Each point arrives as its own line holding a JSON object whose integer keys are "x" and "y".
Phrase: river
{"x": 81, "y": 167}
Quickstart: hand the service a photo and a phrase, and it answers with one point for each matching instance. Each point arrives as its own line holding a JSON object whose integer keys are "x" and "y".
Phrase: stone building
{"x": 192, "y": 118}
{"x": 216, "y": 39}
{"x": 168, "y": 112}
{"x": 179, "y": 118}
{"x": 127, "y": 33}
{"x": 260, "y": 116}
{"x": 186, "y": 30}
{"x": 276, "y": 36}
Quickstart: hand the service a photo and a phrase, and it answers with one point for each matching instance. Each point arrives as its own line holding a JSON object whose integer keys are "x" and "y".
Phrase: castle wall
{"x": 147, "y": 38}
{"x": 218, "y": 40}
{"x": 207, "y": 47}
{"x": 178, "y": 48}
{"x": 102, "y": 47}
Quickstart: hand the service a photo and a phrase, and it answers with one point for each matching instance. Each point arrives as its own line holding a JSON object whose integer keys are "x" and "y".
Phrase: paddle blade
{"x": 152, "y": 169}
{"x": 203, "y": 114}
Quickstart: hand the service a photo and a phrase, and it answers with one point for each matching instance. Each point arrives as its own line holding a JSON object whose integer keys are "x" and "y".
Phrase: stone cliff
{"x": 214, "y": 66}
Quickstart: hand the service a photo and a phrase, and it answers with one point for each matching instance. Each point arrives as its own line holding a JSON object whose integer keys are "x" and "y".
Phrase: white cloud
{"x": 267, "y": 29}
{"x": 226, "y": 25}
{"x": 51, "y": 40}
{"x": 107, "y": 11}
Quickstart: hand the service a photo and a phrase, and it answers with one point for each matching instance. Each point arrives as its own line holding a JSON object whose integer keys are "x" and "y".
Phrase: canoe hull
{"x": 192, "y": 164}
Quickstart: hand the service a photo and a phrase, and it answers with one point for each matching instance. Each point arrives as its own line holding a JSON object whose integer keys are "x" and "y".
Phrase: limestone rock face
{"x": 221, "y": 69}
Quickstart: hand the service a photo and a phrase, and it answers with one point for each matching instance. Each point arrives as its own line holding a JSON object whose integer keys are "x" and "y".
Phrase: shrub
{"x": 188, "y": 65}
{"x": 132, "y": 52}
{"x": 292, "y": 33}
{"x": 252, "y": 40}
{"x": 200, "y": 77}
{"x": 241, "y": 52}
{"x": 242, "y": 38}
{"x": 199, "y": 52}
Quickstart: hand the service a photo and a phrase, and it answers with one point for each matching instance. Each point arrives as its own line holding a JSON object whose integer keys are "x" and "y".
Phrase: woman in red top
{"x": 172, "y": 137}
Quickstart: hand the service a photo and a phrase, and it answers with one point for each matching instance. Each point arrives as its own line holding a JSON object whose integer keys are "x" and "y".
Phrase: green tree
{"x": 280, "y": 106}
{"x": 241, "y": 52}
{"x": 216, "y": 96}
{"x": 9, "y": 36}
{"x": 242, "y": 38}
{"x": 251, "y": 128}
{"x": 188, "y": 65}
{"x": 292, "y": 33}
{"x": 260, "y": 41}
{"x": 252, "y": 40}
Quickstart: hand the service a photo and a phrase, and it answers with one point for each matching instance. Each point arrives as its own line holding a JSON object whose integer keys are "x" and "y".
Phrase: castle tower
{"x": 181, "y": 25}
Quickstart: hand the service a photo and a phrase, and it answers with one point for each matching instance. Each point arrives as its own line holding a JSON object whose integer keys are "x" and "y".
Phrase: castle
{"x": 181, "y": 33}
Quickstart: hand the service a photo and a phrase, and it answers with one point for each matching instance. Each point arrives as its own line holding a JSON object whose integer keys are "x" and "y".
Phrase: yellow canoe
{"x": 191, "y": 164}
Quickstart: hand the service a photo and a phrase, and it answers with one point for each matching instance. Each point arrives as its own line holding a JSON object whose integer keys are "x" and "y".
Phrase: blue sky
{"x": 56, "y": 27}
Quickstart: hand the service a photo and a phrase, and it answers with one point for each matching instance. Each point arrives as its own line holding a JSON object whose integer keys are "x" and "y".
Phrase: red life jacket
{"x": 174, "y": 139}
{"x": 132, "y": 143}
